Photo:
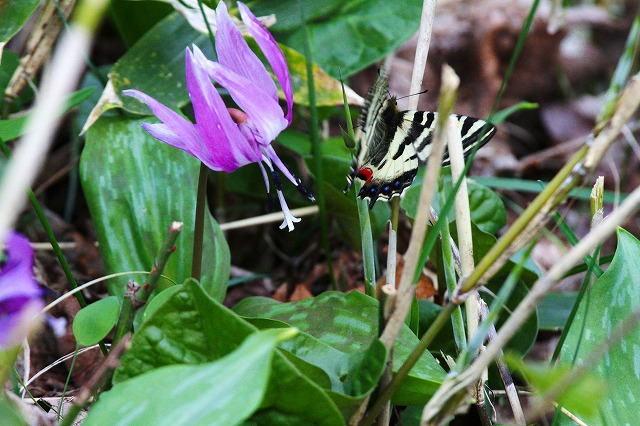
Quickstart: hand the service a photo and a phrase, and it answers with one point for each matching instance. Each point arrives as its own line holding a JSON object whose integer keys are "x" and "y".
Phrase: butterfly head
{"x": 365, "y": 174}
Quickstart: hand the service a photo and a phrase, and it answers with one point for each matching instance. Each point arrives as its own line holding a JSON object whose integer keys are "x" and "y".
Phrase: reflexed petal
{"x": 272, "y": 52}
{"x": 163, "y": 133}
{"x": 179, "y": 132}
{"x": 223, "y": 146}
{"x": 265, "y": 113}
{"x": 234, "y": 53}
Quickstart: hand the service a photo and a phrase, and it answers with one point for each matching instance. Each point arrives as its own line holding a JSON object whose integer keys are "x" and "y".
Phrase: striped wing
{"x": 392, "y": 143}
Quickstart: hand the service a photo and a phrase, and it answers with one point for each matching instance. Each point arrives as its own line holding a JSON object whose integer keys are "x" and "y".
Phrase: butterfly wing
{"x": 393, "y": 143}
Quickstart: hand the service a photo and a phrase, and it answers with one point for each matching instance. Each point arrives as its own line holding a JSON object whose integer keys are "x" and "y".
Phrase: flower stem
{"x": 198, "y": 228}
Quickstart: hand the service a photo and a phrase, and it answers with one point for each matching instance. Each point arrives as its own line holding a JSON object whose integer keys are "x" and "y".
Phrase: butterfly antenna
{"x": 415, "y": 94}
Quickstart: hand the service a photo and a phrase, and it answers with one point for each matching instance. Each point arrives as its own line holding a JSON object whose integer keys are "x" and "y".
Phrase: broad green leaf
{"x": 14, "y": 128}
{"x": 135, "y": 18}
{"x": 192, "y": 328}
{"x": 96, "y": 320}
{"x": 487, "y": 209}
{"x": 344, "y": 36}
{"x": 612, "y": 298}
{"x": 348, "y": 322}
{"x": 13, "y": 15}
{"x": 135, "y": 187}
{"x": 349, "y": 376}
{"x": 222, "y": 392}
{"x": 554, "y": 309}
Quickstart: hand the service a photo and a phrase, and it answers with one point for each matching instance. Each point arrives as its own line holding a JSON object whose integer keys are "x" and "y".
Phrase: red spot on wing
{"x": 365, "y": 174}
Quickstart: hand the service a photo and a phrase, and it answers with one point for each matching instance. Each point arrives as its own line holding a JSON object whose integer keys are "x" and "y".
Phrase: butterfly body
{"x": 392, "y": 143}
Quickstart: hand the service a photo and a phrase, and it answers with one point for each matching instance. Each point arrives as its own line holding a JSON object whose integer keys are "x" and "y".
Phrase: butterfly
{"x": 392, "y": 143}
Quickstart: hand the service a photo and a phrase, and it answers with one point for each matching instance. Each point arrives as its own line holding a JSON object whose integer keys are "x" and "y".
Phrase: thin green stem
{"x": 198, "y": 228}
{"x": 209, "y": 31}
{"x": 317, "y": 154}
{"x": 54, "y": 244}
{"x": 384, "y": 396}
{"x": 459, "y": 333}
{"x": 66, "y": 383}
{"x": 366, "y": 235}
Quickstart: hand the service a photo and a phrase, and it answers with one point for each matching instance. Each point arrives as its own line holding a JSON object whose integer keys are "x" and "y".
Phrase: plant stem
{"x": 95, "y": 382}
{"x": 384, "y": 396}
{"x": 456, "y": 384}
{"x": 198, "y": 228}
{"x": 366, "y": 235}
{"x": 459, "y": 333}
{"x": 136, "y": 296}
{"x": 317, "y": 154}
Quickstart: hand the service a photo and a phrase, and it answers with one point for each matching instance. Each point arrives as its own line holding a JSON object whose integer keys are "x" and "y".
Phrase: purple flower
{"x": 20, "y": 296}
{"x": 225, "y": 139}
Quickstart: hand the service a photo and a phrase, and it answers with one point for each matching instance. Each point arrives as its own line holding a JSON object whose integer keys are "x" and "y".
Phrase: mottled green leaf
{"x": 611, "y": 299}
{"x": 135, "y": 187}
{"x": 223, "y": 392}
{"x": 348, "y": 322}
{"x": 93, "y": 322}
{"x": 192, "y": 328}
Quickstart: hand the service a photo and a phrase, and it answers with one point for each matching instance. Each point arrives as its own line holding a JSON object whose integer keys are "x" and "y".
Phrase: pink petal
{"x": 272, "y": 52}
{"x": 177, "y": 131}
{"x": 264, "y": 112}
{"x": 234, "y": 53}
{"x": 223, "y": 145}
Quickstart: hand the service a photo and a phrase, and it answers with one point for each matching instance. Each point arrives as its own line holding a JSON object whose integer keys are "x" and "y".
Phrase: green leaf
{"x": 192, "y": 328}
{"x": 135, "y": 187}
{"x": 344, "y": 36}
{"x": 583, "y": 397}
{"x": 502, "y": 115}
{"x": 487, "y": 209}
{"x": 555, "y": 308}
{"x": 95, "y": 321}
{"x": 350, "y": 376}
{"x": 135, "y": 18}
{"x": 348, "y": 323}
{"x": 14, "y": 128}
{"x": 222, "y": 392}
{"x": 611, "y": 299}
{"x": 13, "y": 15}
{"x": 10, "y": 413}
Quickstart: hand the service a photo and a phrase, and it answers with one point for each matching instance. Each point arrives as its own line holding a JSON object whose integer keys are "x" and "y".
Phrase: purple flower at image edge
{"x": 225, "y": 139}
{"x": 20, "y": 297}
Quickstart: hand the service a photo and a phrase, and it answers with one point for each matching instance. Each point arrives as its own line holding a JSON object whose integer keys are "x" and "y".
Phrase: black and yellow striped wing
{"x": 392, "y": 143}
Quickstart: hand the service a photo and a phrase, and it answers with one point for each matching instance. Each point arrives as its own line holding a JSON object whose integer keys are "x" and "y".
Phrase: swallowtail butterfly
{"x": 392, "y": 143}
